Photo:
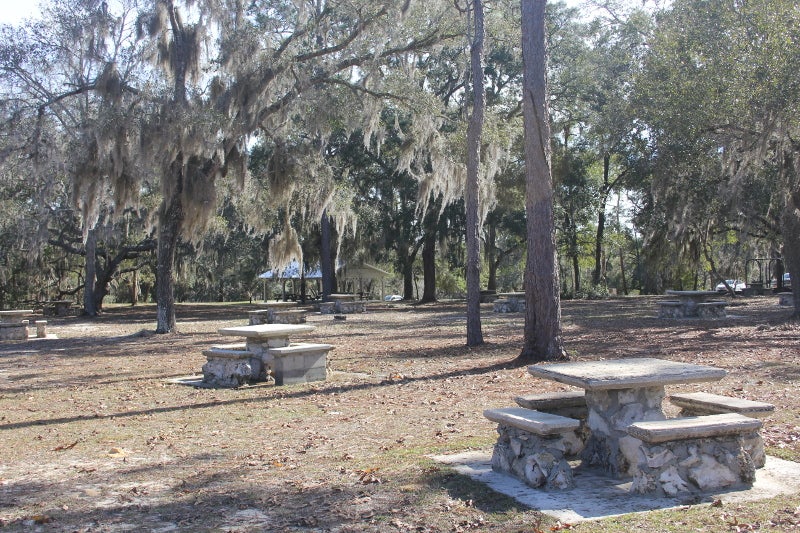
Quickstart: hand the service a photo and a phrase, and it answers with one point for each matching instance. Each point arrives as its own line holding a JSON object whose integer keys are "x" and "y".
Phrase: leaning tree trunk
{"x": 542, "y": 333}
{"x": 474, "y": 130}
{"x": 89, "y": 306}
{"x": 170, "y": 222}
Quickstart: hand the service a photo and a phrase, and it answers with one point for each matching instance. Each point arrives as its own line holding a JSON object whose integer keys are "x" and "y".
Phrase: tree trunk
{"x": 542, "y": 339}
{"x": 134, "y": 287}
{"x": 429, "y": 266}
{"x": 622, "y": 271}
{"x": 408, "y": 280}
{"x": 576, "y": 271}
{"x": 326, "y": 263}
{"x": 790, "y": 221}
{"x": 491, "y": 257}
{"x": 597, "y": 276}
{"x": 170, "y": 222}
{"x": 474, "y": 131}
{"x": 89, "y": 307}
{"x": 571, "y": 234}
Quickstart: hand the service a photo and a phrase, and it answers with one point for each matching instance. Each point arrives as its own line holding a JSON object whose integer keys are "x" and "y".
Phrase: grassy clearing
{"x": 94, "y": 438}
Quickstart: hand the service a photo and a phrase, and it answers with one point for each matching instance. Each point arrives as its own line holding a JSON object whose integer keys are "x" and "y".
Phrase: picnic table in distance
{"x": 692, "y": 304}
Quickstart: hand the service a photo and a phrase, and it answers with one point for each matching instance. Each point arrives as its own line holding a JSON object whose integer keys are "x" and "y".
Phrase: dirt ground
{"x": 95, "y": 437}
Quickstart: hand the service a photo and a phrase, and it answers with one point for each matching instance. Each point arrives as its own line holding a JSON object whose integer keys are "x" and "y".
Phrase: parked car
{"x": 392, "y": 298}
{"x": 736, "y": 284}
{"x": 787, "y": 281}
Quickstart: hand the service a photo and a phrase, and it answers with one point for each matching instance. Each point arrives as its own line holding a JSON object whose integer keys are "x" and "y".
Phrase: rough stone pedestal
{"x": 694, "y": 465}
{"x": 610, "y": 413}
{"x": 231, "y": 366}
{"x": 538, "y": 461}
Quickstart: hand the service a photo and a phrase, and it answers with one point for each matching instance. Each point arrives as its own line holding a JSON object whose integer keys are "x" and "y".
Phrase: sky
{"x": 13, "y": 11}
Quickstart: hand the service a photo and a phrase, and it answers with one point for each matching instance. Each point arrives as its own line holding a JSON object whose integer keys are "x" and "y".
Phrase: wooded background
{"x": 167, "y": 149}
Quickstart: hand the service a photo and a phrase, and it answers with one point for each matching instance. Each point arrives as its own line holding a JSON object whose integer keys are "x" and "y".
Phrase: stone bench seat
{"x": 259, "y": 316}
{"x": 532, "y": 446}
{"x": 696, "y": 454}
{"x": 670, "y": 309}
{"x": 509, "y": 305}
{"x": 693, "y": 427}
{"x": 704, "y": 403}
{"x": 536, "y": 422}
{"x": 351, "y": 306}
{"x": 298, "y": 363}
{"x": 568, "y": 403}
{"x": 714, "y": 309}
{"x": 229, "y": 351}
{"x": 14, "y": 331}
{"x": 289, "y": 316}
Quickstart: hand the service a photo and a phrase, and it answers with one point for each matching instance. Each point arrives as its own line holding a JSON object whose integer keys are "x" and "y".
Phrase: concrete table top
{"x": 14, "y": 314}
{"x": 266, "y": 331}
{"x": 626, "y": 373}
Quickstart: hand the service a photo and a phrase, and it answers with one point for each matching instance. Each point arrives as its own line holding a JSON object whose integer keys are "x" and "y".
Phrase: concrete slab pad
{"x": 596, "y": 496}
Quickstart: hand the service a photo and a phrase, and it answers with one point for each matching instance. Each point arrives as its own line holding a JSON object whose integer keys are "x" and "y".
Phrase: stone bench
{"x": 231, "y": 365}
{"x": 670, "y": 309}
{"x": 715, "y": 309}
{"x": 327, "y": 308}
{"x": 298, "y": 363}
{"x": 260, "y": 316}
{"x": 14, "y": 331}
{"x": 785, "y": 298}
{"x": 696, "y": 454}
{"x": 505, "y": 305}
{"x": 532, "y": 446}
{"x": 290, "y": 316}
{"x": 704, "y": 403}
{"x": 348, "y": 307}
{"x": 571, "y": 404}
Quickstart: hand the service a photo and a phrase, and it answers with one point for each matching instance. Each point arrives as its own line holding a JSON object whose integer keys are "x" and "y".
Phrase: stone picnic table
{"x": 14, "y": 315}
{"x": 509, "y": 302}
{"x": 342, "y": 303}
{"x": 618, "y": 393}
{"x": 266, "y": 353}
{"x": 13, "y": 325}
{"x": 690, "y": 304}
{"x": 58, "y": 307}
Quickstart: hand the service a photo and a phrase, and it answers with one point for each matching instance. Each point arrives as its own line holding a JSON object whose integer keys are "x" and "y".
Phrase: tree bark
{"x": 790, "y": 222}
{"x": 429, "y": 266}
{"x": 170, "y": 222}
{"x": 474, "y": 131}
{"x": 408, "y": 280}
{"x": 326, "y": 263}
{"x": 542, "y": 333}
{"x": 491, "y": 257}
{"x": 134, "y": 287}
{"x": 90, "y": 274}
{"x": 597, "y": 276}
